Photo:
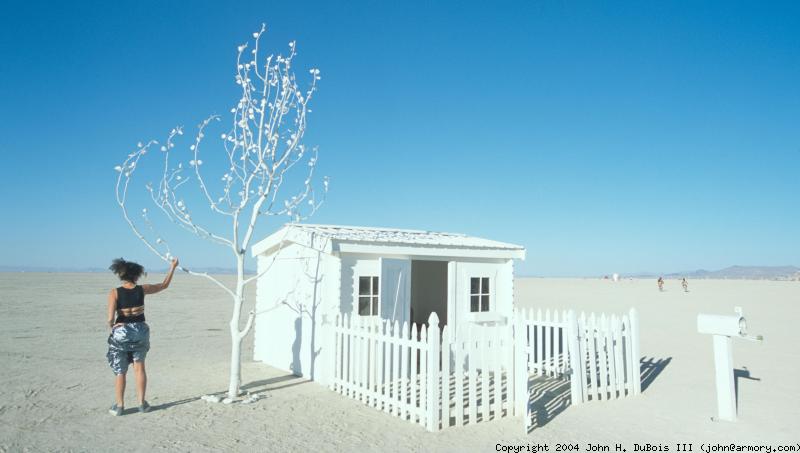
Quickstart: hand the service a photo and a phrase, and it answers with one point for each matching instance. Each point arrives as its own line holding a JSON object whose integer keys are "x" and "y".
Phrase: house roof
{"x": 352, "y": 239}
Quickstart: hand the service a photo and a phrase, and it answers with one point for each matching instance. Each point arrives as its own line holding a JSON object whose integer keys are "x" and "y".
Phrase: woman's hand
{"x": 174, "y": 262}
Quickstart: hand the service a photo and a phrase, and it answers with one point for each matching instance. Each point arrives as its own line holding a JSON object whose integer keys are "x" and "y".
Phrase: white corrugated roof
{"x": 336, "y": 234}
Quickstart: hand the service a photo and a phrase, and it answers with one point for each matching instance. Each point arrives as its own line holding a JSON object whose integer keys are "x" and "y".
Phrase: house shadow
{"x": 650, "y": 368}
{"x": 548, "y": 397}
{"x": 742, "y": 373}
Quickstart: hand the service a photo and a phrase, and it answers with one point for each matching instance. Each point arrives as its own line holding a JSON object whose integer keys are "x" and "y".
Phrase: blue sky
{"x": 647, "y": 136}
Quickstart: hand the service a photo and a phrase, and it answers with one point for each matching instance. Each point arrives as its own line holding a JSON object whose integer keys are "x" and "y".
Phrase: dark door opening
{"x": 428, "y": 291}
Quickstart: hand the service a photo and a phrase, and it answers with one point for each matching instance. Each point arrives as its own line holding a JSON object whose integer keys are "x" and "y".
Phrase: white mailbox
{"x": 730, "y": 326}
{"x": 723, "y": 328}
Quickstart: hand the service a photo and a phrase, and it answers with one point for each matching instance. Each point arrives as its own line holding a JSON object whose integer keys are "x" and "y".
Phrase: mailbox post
{"x": 723, "y": 328}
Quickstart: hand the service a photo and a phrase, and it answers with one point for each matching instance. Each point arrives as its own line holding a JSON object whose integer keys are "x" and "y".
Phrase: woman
{"x": 129, "y": 340}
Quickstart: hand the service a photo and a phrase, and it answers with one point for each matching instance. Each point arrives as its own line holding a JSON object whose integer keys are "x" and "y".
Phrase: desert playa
{"x": 57, "y": 386}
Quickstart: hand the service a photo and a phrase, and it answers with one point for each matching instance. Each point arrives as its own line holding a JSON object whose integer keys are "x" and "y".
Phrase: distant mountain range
{"x": 740, "y": 272}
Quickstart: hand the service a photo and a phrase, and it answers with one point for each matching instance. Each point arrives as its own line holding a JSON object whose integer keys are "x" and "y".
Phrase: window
{"x": 479, "y": 294}
{"x": 368, "y": 296}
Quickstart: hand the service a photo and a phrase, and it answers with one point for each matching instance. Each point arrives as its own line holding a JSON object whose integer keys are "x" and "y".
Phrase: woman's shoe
{"x": 116, "y": 410}
{"x": 144, "y": 407}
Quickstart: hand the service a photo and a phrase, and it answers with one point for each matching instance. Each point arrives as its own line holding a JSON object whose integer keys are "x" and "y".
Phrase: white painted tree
{"x": 264, "y": 142}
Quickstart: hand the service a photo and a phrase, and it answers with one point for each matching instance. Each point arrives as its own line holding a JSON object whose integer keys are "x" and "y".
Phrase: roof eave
{"x": 287, "y": 235}
{"x": 417, "y": 250}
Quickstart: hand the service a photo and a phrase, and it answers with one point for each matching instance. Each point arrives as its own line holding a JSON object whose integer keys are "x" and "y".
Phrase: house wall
{"x": 458, "y": 272}
{"x": 299, "y": 297}
{"x": 353, "y": 266}
{"x": 501, "y": 275}
{"x": 296, "y": 300}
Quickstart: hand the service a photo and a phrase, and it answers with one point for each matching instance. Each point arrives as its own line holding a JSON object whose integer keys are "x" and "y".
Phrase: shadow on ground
{"x": 548, "y": 397}
{"x": 255, "y": 387}
{"x": 650, "y": 368}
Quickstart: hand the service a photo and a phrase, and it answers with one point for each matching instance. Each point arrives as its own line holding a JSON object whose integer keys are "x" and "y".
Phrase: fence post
{"x": 637, "y": 380}
{"x": 575, "y": 359}
{"x": 520, "y": 367}
{"x": 433, "y": 373}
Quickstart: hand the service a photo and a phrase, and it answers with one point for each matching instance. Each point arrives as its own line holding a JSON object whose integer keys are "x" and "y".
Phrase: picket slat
{"x": 422, "y": 373}
{"x": 583, "y": 356}
{"x": 458, "y": 368}
{"x": 472, "y": 376}
{"x": 540, "y": 341}
{"x": 497, "y": 355}
{"x": 431, "y": 384}
{"x": 591, "y": 338}
{"x": 413, "y": 372}
{"x": 397, "y": 378}
{"x": 446, "y": 354}
{"x": 626, "y": 327}
{"x": 602, "y": 356}
{"x": 404, "y": 373}
{"x": 618, "y": 359}
{"x": 546, "y": 343}
{"x": 386, "y": 358}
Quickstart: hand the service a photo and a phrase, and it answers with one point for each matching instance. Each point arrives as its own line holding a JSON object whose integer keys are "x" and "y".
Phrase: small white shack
{"x": 312, "y": 273}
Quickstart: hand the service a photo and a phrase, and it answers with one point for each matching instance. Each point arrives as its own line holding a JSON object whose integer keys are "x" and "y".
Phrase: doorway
{"x": 428, "y": 291}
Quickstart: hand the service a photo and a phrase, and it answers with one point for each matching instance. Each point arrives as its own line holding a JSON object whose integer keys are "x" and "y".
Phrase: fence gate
{"x": 561, "y": 356}
{"x": 608, "y": 357}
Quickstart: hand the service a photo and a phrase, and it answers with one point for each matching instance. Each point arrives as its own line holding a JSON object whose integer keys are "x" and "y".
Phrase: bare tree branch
{"x": 264, "y": 142}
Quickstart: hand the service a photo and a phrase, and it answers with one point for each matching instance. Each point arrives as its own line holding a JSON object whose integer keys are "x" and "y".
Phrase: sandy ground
{"x": 56, "y": 386}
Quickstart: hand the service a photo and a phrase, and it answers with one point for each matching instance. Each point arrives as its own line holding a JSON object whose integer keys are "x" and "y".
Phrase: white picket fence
{"x": 420, "y": 374}
{"x": 384, "y": 365}
{"x": 478, "y": 371}
{"x": 609, "y": 352}
{"x": 542, "y": 348}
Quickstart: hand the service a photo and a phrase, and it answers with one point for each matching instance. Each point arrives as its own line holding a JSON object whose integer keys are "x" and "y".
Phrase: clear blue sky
{"x": 647, "y": 136}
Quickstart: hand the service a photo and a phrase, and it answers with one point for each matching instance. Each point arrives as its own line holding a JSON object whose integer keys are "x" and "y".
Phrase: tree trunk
{"x": 236, "y": 337}
{"x": 236, "y": 365}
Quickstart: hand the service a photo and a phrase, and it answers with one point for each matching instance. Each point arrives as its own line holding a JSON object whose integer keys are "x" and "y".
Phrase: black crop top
{"x": 130, "y": 298}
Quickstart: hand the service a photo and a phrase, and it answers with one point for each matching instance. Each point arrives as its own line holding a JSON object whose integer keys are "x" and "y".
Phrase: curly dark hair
{"x": 126, "y": 270}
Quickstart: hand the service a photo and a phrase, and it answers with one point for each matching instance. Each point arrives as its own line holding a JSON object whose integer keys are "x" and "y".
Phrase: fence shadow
{"x": 549, "y": 397}
{"x": 650, "y": 368}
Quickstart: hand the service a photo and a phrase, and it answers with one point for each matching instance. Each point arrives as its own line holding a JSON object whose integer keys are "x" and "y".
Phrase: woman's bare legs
{"x": 141, "y": 380}
{"x": 119, "y": 389}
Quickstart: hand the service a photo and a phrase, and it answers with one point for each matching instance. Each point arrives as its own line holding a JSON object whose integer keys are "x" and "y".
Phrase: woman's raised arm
{"x": 152, "y": 289}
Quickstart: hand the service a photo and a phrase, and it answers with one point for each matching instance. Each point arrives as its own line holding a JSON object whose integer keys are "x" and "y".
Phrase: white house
{"x": 312, "y": 273}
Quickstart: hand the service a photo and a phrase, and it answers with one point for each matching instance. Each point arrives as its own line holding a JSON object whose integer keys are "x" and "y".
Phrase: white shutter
{"x": 395, "y": 294}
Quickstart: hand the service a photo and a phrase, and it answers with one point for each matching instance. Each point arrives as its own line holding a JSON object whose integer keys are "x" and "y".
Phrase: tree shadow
{"x": 548, "y": 397}
{"x": 268, "y": 385}
{"x": 650, "y": 368}
{"x": 163, "y": 406}
{"x": 255, "y": 387}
